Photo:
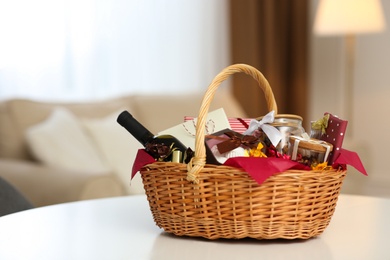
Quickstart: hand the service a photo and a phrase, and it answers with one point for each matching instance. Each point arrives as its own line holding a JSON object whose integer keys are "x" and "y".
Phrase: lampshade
{"x": 349, "y": 17}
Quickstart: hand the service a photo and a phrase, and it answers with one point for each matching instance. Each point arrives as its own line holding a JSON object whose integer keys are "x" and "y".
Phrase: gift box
{"x": 309, "y": 151}
{"x": 237, "y": 124}
{"x": 334, "y": 134}
{"x": 215, "y": 121}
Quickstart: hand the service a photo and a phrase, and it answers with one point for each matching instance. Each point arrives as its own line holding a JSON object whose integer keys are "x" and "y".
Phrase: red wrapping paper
{"x": 262, "y": 168}
{"x": 258, "y": 168}
{"x": 350, "y": 158}
{"x": 142, "y": 159}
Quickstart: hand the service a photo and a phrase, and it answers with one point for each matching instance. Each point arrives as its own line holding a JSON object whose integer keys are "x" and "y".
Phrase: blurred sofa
{"x": 56, "y": 152}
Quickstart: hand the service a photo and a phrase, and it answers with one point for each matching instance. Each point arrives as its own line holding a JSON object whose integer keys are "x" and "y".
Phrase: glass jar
{"x": 309, "y": 151}
{"x": 288, "y": 125}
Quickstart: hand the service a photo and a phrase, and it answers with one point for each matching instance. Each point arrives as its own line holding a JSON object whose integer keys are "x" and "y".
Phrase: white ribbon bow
{"x": 272, "y": 132}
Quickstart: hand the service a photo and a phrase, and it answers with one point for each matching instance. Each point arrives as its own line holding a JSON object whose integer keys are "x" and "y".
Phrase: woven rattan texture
{"x": 227, "y": 203}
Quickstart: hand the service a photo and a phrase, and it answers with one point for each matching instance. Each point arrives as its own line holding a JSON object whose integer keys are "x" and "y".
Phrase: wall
{"x": 96, "y": 49}
{"x": 368, "y": 130}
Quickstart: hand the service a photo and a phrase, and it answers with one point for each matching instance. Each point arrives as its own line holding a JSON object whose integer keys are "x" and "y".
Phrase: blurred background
{"x": 67, "y": 49}
{"x": 90, "y": 49}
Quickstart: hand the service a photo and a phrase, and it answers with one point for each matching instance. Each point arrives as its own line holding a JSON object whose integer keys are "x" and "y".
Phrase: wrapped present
{"x": 227, "y": 143}
{"x": 216, "y": 121}
{"x": 309, "y": 151}
{"x": 334, "y": 134}
{"x": 237, "y": 124}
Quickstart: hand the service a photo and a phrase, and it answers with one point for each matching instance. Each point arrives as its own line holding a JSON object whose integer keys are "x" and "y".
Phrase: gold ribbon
{"x": 321, "y": 124}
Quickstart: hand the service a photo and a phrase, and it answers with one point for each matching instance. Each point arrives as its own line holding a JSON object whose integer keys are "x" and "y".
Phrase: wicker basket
{"x": 215, "y": 201}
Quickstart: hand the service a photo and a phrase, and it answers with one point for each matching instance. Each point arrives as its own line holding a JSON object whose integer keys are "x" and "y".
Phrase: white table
{"x": 122, "y": 228}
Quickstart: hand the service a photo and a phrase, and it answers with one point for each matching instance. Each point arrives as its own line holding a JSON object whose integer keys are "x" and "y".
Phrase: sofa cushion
{"x": 44, "y": 185}
{"x": 17, "y": 115}
{"x": 118, "y": 147}
{"x": 60, "y": 141}
{"x": 9, "y": 135}
{"x": 11, "y": 199}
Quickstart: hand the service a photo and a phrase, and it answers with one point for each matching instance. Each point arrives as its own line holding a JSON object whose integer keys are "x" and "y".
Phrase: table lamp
{"x": 349, "y": 18}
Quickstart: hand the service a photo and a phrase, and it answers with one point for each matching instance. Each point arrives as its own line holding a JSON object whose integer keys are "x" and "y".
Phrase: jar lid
{"x": 288, "y": 116}
{"x": 312, "y": 144}
{"x": 284, "y": 116}
{"x": 285, "y": 120}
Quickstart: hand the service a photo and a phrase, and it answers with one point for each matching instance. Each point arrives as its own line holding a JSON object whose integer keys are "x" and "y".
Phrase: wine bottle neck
{"x": 139, "y": 132}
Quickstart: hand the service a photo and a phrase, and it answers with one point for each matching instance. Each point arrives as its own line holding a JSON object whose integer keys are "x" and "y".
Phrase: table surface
{"x": 123, "y": 228}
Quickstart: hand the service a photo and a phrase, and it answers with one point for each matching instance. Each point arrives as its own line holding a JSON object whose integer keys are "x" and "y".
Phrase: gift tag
{"x": 185, "y": 132}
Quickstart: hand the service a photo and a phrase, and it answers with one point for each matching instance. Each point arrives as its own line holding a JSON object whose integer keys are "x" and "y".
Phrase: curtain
{"x": 271, "y": 35}
{"x": 87, "y": 49}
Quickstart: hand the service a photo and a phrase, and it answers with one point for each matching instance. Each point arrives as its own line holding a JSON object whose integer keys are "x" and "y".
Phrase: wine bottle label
{"x": 177, "y": 156}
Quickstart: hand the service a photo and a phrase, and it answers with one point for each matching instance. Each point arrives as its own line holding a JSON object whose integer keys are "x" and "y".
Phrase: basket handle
{"x": 199, "y": 160}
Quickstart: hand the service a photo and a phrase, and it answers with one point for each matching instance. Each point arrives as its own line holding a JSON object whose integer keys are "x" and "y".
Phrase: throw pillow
{"x": 119, "y": 148}
{"x": 60, "y": 141}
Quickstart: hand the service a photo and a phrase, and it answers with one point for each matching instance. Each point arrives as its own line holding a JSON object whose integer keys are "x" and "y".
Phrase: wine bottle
{"x": 161, "y": 147}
